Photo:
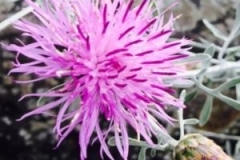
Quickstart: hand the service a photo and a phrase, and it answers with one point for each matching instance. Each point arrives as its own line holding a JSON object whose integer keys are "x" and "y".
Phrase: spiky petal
{"x": 113, "y": 57}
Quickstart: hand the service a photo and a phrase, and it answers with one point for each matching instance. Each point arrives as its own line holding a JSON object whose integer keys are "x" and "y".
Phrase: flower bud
{"x": 198, "y": 147}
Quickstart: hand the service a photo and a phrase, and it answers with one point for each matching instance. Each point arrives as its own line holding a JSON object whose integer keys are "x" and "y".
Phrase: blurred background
{"x": 32, "y": 138}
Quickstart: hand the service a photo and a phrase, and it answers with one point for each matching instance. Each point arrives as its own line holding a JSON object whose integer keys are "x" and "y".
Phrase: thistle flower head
{"x": 113, "y": 57}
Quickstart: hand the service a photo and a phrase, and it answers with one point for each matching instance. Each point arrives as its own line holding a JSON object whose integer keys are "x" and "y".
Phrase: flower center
{"x": 115, "y": 64}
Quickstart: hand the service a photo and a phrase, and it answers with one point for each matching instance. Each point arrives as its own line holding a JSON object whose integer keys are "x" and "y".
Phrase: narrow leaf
{"x": 227, "y": 84}
{"x": 153, "y": 153}
{"x": 217, "y": 33}
{"x": 236, "y": 25}
{"x": 132, "y": 142}
{"x": 210, "y": 50}
{"x": 199, "y": 57}
{"x": 142, "y": 154}
{"x": 231, "y": 102}
{"x": 206, "y": 42}
{"x": 206, "y": 111}
{"x": 43, "y": 100}
{"x": 238, "y": 92}
{"x": 191, "y": 96}
{"x": 191, "y": 121}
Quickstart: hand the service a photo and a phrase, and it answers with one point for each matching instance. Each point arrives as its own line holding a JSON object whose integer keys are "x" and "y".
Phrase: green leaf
{"x": 205, "y": 63}
{"x": 238, "y": 92}
{"x": 135, "y": 142}
{"x": 237, "y": 147}
{"x": 227, "y": 84}
{"x": 186, "y": 83}
{"x": 206, "y": 111}
{"x": 236, "y": 25}
{"x": 217, "y": 33}
{"x": 111, "y": 141}
{"x": 198, "y": 44}
{"x": 237, "y": 18}
{"x": 210, "y": 50}
{"x": 205, "y": 41}
{"x": 153, "y": 153}
{"x": 231, "y": 102}
{"x": 132, "y": 142}
{"x": 199, "y": 57}
{"x": 142, "y": 154}
{"x": 191, "y": 121}
{"x": 191, "y": 96}
{"x": 43, "y": 100}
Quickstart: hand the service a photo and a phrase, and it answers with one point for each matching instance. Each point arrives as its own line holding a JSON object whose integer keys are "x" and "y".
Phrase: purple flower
{"x": 112, "y": 56}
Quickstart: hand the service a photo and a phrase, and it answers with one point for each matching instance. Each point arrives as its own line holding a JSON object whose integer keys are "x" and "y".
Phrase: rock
{"x": 192, "y": 11}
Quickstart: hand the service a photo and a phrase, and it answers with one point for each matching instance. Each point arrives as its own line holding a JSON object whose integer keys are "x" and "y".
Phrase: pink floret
{"x": 113, "y": 58}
